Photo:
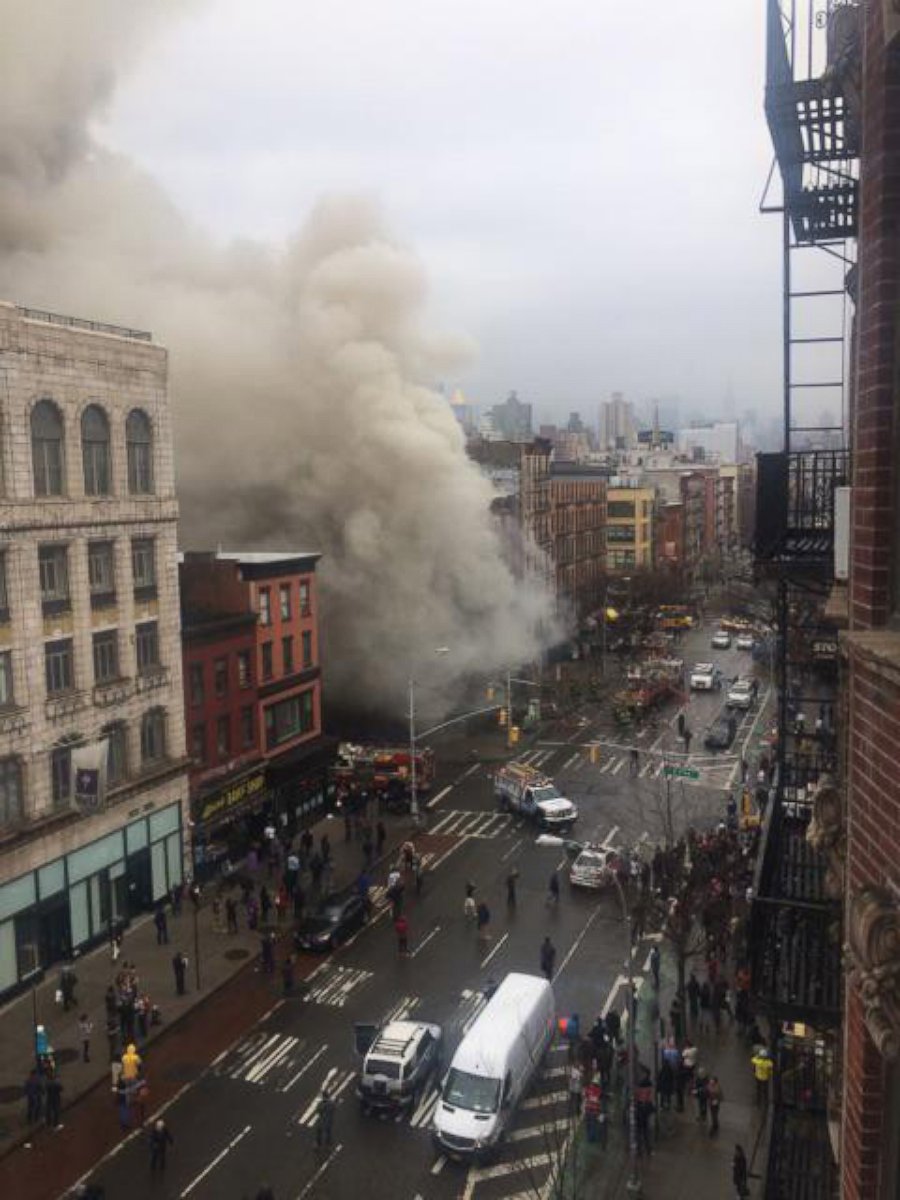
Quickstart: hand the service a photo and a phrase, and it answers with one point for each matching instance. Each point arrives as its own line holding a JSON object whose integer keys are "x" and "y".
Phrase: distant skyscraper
{"x": 618, "y": 428}
{"x": 512, "y": 419}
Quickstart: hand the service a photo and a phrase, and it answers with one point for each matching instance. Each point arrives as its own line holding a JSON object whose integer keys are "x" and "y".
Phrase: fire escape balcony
{"x": 795, "y": 506}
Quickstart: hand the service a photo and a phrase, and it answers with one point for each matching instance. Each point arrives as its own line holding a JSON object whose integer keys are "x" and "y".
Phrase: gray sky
{"x": 580, "y": 180}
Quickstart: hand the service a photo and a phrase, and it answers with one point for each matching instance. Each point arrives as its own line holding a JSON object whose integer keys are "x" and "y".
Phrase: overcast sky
{"x": 581, "y": 180}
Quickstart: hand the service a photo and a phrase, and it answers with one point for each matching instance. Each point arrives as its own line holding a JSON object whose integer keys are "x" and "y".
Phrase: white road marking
{"x": 321, "y": 1171}
{"x": 426, "y": 1107}
{"x": 437, "y": 799}
{"x": 439, "y": 1165}
{"x": 425, "y": 940}
{"x": 543, "y": 1100}
{"x": 512, "y": 850}
{"x": 618, "y": 767}
{"x": 542, "y": 1130}
{"x": 315, "y": 1058}
{"x": 261, "y": 1070}
{"x": 620, "y": 981}
{"x": 499, "y": 946}
{"x": 588, "y": 923}
{"x": 445, "y": 856}
{"x": 571, "y": 760}
{"x": 257, "y": 1054}
{"x": 471, "y": 771}
{"x": 605, "y": 844}
{"x": 478, "y": 1174}
{"x": 215, "y": 1162}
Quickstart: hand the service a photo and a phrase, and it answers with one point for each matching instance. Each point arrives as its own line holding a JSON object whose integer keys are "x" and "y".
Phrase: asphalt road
{"x": 250, "y": 1117}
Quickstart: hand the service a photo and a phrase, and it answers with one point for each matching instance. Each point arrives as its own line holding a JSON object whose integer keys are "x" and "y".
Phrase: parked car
{"x": 742, "y": 694}
{"x": 721, "y": 733}
{"x": 721, "y": 640}
{"x": 333, "y": 922}
{"x": 744, "y": 641}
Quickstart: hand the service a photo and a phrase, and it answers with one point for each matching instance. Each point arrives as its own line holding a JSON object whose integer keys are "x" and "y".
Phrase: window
{"x": 305, "y": 608}
{"x": 53, "y": 563}
{"x": 61, "y": 774}
{"x": 220, "y": 675}
{"x": 139, "y": 447}
{"x": 284, "y": 593}
{"x": 223, "y": 737}
{"x": 153, "y": 736}
{"x": 287, "y": 655}
{"x": 245, "y": 677}
{"x": 4, "y": 594}
{"x": 620, "y": 508}
{"x": 101, "y": 573}
{"x": 289, "y": 718}
{"x": 11, "y": 793}
{"x": 247, "y": 727}
{"x": 267, "y": 660}
{"x": 59, "y": 664}
{"x": 195, "y": 684}
{"x": 7, "y": 691}
{"x": 620, "y": 533}
{"x": 143, "y": 565}
{"x": 95, "y": 451}
{"x": 47, "y": 449}
{"x": 198, "y": 744}
{"x": 117, "y": 752}
{"x": 106, "y": 656}
{"x": 265, "y": 606}
{"x": 147, "y": 642}
{"x": 306, "y": 645}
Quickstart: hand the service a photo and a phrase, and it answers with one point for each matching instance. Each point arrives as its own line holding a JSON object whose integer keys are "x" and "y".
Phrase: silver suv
{"x": 399, "y": 1061}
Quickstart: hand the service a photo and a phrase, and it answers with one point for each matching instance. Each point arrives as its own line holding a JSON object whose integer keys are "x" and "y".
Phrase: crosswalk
{"x": 332, "y": 984}
{"x": 616, "y": 761}
{"x": 473, "y": 824}
{"x": 274, "y": 1060}
{"x": 335, "y": 1081}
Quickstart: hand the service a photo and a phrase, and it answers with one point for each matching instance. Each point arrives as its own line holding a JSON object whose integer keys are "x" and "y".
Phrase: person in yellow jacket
{"x": 763, "y": 1067}
{"x": 131, "y": 1064}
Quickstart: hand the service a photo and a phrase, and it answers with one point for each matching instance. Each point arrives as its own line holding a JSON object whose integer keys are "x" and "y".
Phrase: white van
{"x": 493, "y": 1066}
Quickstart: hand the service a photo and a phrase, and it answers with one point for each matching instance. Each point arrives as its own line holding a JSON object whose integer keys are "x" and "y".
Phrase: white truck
{"x": 523, "y": 789}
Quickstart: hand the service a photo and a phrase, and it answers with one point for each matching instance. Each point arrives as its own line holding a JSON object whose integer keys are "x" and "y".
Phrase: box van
{"x": 493, "y": 1066}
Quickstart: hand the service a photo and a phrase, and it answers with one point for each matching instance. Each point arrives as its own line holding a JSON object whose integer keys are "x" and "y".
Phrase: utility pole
{"x": 413, "y": 795}
{"x": 509, "y": 710}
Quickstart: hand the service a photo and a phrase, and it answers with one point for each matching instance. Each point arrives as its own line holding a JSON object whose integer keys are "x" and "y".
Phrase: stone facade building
{"x": 92, "y": 754}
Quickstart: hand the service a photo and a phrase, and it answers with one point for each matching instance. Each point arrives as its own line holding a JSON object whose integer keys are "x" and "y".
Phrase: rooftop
{"x": 262, "y": 558}
{"x": 51, "y": 318}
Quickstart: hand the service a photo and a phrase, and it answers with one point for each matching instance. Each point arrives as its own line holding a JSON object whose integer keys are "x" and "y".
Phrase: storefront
{"x": 301, "y": 787}
{"x": 224, "y": 821}
{"x": 71, "y": 903}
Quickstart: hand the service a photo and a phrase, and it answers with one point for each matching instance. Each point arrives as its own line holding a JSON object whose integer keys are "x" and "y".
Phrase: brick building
{"x": 92, "y": 758}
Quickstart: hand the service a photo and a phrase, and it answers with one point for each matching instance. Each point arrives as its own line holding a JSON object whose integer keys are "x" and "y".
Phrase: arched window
{"x": 139, "y": 443}
{"x": 95, "y": 451}
{"x": 117, "y": 760}
{"x": 153, "y": 736}
{"x": 47, "y": 448}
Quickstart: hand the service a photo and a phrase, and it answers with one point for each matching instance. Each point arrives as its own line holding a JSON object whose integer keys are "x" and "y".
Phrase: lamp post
{"x": 413, "y": 782}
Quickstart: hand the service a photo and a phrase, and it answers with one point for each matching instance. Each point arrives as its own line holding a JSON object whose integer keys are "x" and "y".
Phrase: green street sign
{"x": 681, "y": 773}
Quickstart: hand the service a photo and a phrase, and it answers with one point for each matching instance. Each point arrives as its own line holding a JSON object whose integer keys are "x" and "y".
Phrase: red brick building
{"x": 253, "y": 693}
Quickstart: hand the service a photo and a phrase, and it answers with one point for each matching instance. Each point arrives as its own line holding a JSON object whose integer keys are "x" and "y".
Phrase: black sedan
{"x": 721, "y": 733}
{"x": 334, "y": 921}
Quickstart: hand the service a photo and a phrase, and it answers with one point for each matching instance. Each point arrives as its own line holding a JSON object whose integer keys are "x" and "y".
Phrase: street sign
{"x": 681, "y": 773}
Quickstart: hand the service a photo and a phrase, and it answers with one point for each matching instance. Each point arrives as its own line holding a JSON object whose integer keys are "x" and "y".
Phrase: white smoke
{"x": 301, "y": 413}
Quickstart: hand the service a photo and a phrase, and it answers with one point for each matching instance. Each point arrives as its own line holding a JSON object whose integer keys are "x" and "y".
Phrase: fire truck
{"x": 383, "y": 769}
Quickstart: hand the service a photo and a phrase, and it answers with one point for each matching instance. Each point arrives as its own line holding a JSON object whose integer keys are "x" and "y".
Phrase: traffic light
{"x": 502, "y": 717}
{"x": 513, "y": 734}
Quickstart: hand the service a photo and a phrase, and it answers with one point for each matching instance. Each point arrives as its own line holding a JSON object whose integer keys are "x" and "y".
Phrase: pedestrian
{"x": 265, "y": 904}
{"x": 324, "y": 1119}
{"x": 548, "y": 957}
{"x": 287, "y": 975}
{"x": 693, "y": 995}
{"x": 614, "y": 1026}
{"x": 194, "y": 893}
{"x": 644, "y": 1110}
{"x": 654, "y": 965}
{"x": 701, "y": 1095}
{"x": 368, "y": 850}
{"x": 162, "y": 925}
{"x": 267, "y": 948}
{"x": 576, "y": 1090}
{"x": 34, "y": 1096}
{"x": 160, "y": 1140}
{"x": 676, "y": 1017}
{"x": 763, "y": 1067}
{"x": 131, "y": 1064}
{"x": 401, "y": 928}
{"x": 635, "y": 760}
{"x": 739, "y": 1172}
{"x": 470, "y": 908}
{"x": 112, "y": 1036}
{"x": 231, "y": 914}
{"x": 67, "y": 981}
{"x": 511, "y": 880}
{"x": 123, "y": 1103}
{"x": 553, "y": 888}
{"x": 483, "y": 919}
{"x": 705, "y": 1005}
{"x": 175, "y": 895}
{"x": 299, "y": 902}
{"x": 714, "y": 1099}
{"x": 665, "y": 1085}
{"x": 316, "y": 866}
{"x": 53, "y": 1096}
{"x": 179, "y": 967}
{"x": 85, "y": 1029}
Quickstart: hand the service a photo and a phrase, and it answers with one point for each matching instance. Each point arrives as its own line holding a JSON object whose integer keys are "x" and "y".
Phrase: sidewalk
{"x": 221, "y": 957}
{"x": 686, "y": 1163}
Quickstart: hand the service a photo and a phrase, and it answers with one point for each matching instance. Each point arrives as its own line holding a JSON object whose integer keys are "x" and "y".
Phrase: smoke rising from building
{"x": 302, "y": 418}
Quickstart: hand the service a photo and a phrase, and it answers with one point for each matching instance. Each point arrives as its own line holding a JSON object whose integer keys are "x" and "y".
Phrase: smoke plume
{"x": 302, "y": 413}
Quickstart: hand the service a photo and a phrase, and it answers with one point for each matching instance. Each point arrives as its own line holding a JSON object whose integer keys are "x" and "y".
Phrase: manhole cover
{"x": 183, "y": 1073}
{"x": 67, "y": 1055}
{"x": 237, "y": 954}
{"x": 9, "y": 1095}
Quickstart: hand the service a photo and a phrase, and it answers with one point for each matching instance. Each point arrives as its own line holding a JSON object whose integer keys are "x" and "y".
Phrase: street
{"x": 250, "y": 1117}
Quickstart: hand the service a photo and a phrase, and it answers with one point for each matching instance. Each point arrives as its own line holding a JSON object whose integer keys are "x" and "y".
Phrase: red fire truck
{"x": 383, "y": 769}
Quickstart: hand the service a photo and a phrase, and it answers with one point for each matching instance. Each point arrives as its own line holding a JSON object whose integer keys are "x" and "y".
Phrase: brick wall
{"x": 874, "y": 428}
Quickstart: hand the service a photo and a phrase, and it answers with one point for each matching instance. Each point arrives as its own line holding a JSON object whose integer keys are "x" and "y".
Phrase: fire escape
{"x": 811, "y": 91}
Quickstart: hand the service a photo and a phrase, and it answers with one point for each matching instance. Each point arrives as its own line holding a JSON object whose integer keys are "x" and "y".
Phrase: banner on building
{"x": 89, "y": 770}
